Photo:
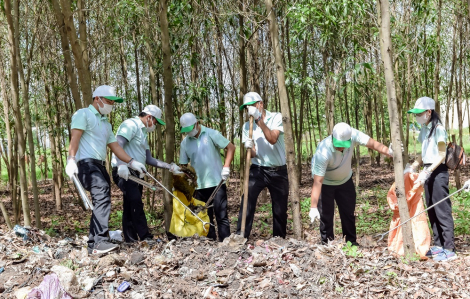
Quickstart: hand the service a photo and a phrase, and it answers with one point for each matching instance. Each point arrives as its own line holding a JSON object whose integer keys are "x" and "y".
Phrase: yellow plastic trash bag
{"x": 183, "y": 222}
{"x": 419, "y": 225}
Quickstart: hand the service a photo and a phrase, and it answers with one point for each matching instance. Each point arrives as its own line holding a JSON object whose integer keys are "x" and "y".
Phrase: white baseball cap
{"x": 107, "y": 92}
{"x": 342, "y": 135}
{"x": 423, "y": 104}
{"x": 187, "y": 122}
{"x": 250, "y": 98}
{"x": 155, "y": 112}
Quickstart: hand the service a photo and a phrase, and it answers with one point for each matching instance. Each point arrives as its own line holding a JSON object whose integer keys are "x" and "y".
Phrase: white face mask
{"x": 151, "y": 128}
{"x": 423, "y": 119}
{"x": 193, "y": 132}
{"x": 106, "y": 109}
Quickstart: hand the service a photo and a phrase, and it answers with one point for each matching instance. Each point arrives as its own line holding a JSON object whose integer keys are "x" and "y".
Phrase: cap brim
{"x": 187, "y": 129}
{"x": 247, "y": 104}
{"x": 160, "y": 121}
{"x": 416, "y": 111}
{"x": 115, "y": 99}
{"x": 341, "y": 143}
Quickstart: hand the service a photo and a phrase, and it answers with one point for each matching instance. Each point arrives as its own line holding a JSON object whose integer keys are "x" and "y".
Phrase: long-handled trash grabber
{"x": 211, "y": 198}
{"x": 384, "y": 234}
{"x": 185, "y": 206}
{"x": 86, "y": 201}
{"x": 143, "y": 183}
{"x": 247, "y": 175}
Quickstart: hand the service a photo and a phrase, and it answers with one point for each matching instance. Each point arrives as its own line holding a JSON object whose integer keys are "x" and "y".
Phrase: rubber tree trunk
{"x": 286, "y": 120}
{"x": 438, "y": 57}
{"x": 383, "y": 8}
{"x": 243, "y": 79}
{"x": 15, "y": 95}
{"x": 169, "y": 119}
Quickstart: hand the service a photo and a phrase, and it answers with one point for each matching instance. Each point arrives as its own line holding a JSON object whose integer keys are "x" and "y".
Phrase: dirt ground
{"x": 263, "y": 267}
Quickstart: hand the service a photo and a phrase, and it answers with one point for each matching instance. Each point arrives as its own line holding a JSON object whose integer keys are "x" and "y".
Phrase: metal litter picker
{"x": 185, "y": 206}
{"x": 384, "y": 234}
{"x": 86, "y": 201}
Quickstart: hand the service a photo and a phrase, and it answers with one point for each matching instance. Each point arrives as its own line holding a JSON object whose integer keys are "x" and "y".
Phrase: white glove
{"x": 249, "y": 143}
{"x": 390, "y": 150}
{"x": 225, "y": 173}
{"x": 175, "y": 169}
{"x": 422, "y": 177}
{"x": 137, "y": 166}
{"x": 253, "y": 111}
{"x": 123, "y": 171}
{"x": 71, "y": 169}
{"x": 314, "y": 214}
{"x": 466, "y": 186}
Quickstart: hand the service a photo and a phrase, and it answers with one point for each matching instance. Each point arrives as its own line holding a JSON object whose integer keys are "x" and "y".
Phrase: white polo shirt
{"x": 429, "y": 148}
{"x": 134, "y": 130}
{"x": 267, "y": 154}
{"x": 204, "y": 154}
{"x": 333, "y": 165}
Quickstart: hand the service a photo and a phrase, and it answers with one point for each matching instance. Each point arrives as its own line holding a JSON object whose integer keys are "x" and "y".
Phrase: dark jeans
{"x": 134, "y": 222}
{"x": 277, "y": 182}
{"x": 440, "y": 217}
{"x": 219, "y": 209}
{"x": 95, "y": 179}
{"x": 345, "y": 197}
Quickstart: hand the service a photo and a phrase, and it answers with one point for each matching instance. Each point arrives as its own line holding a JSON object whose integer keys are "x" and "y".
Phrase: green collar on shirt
{"x": 93, "y": 109}
{"x": 203, "y": 129}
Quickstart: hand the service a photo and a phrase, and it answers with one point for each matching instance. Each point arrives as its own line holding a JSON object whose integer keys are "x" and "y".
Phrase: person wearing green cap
{"x": 132, "y": 137}
{"x": 201, "y": 147}
{"x": 435, "y": 178}
{"x": 268, "y": 164}
{"x": 91, "y": 133}
{"x": 332, "y": 180}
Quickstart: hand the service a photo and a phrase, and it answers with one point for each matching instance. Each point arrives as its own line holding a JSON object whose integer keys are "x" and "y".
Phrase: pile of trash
{"x": 44, "y": 267}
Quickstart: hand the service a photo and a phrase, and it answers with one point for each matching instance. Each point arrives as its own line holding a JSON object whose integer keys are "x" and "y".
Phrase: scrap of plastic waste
{"x": 123, "y": 287}
{"x": 21, "y": 232}
{"x": 2, "y": 269}
{"x": 36, "y": 249}
{"x": 115, "y": 235}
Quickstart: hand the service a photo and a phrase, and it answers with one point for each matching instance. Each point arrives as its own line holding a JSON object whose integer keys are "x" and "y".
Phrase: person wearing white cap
{"x": 91, "y": 133}
{"x": 268, "y": 168}
{"x": 332, "y": 180}
{"x": 201, "y": 147}
{"x": 435, "y": 178}
{"x": 132, "y": 136}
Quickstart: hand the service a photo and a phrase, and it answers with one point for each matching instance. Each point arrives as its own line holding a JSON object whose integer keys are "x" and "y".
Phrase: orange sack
{"x": 420, "y": 228}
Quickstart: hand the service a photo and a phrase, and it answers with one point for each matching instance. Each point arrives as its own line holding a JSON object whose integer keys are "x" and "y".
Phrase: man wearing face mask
{"x": 132, "y": 137}
{"x": 201, "y": 147}
{"x": 268, "y": 168}
{"x": 91, "y": 133}
{"x": 332, "y": 180}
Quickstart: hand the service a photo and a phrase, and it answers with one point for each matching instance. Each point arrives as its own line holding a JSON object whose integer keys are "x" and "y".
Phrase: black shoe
{"x": 355, "y": 244}
{"x": 170, "y": 236}
{"x": 104, "y": 247}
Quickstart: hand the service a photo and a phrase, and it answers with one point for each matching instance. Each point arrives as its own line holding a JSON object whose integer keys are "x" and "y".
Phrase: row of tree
{"x": 316, "y": 61}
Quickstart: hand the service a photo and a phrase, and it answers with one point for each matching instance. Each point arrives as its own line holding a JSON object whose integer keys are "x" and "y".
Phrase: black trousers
{"x": 345, "y": 197}
{"x": 219, "y": 209}
{"x": 277, "y": 182}
{"x": 95, "y": 179}
{"x": 134, "y": 222}
{"x": 440, "y": 217}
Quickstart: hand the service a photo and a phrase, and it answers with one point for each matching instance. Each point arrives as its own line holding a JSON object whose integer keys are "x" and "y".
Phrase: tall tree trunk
{"x": 122, "y": 55}
{"x": 329, "y": 99}
{"x": 169, "y": 119}
{"x": 451, "y": 82}
{"x": 287, "y": 122}
{"x": 243, "y": 79}
{"x": 383, "y": 9}
{"x": 459, "y": 87}
{"x": 15, "y": 95}
{"x": 438, "y": 57}
{"x": 137, "y": 72}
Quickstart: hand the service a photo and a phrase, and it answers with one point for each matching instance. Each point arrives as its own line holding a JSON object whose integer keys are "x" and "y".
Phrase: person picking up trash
{"x": 91, "y": 133}
{"x": 201, "y": 147}
{"x": 332, "y": 180}
{"x": 268, "y": 168}
{"x": 132, "y": 136}
{"x": 435, "y": 178}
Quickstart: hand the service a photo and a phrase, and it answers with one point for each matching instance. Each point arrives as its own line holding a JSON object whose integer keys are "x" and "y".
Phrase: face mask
{"x": 151, "y": 128}
{"x": 106, "y": 109}
{"x": 193, "y": 132}
{"x": 422, "y": 119}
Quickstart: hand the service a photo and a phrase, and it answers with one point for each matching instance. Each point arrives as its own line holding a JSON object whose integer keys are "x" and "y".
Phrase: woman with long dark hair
{"x": 435, "y": 178}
